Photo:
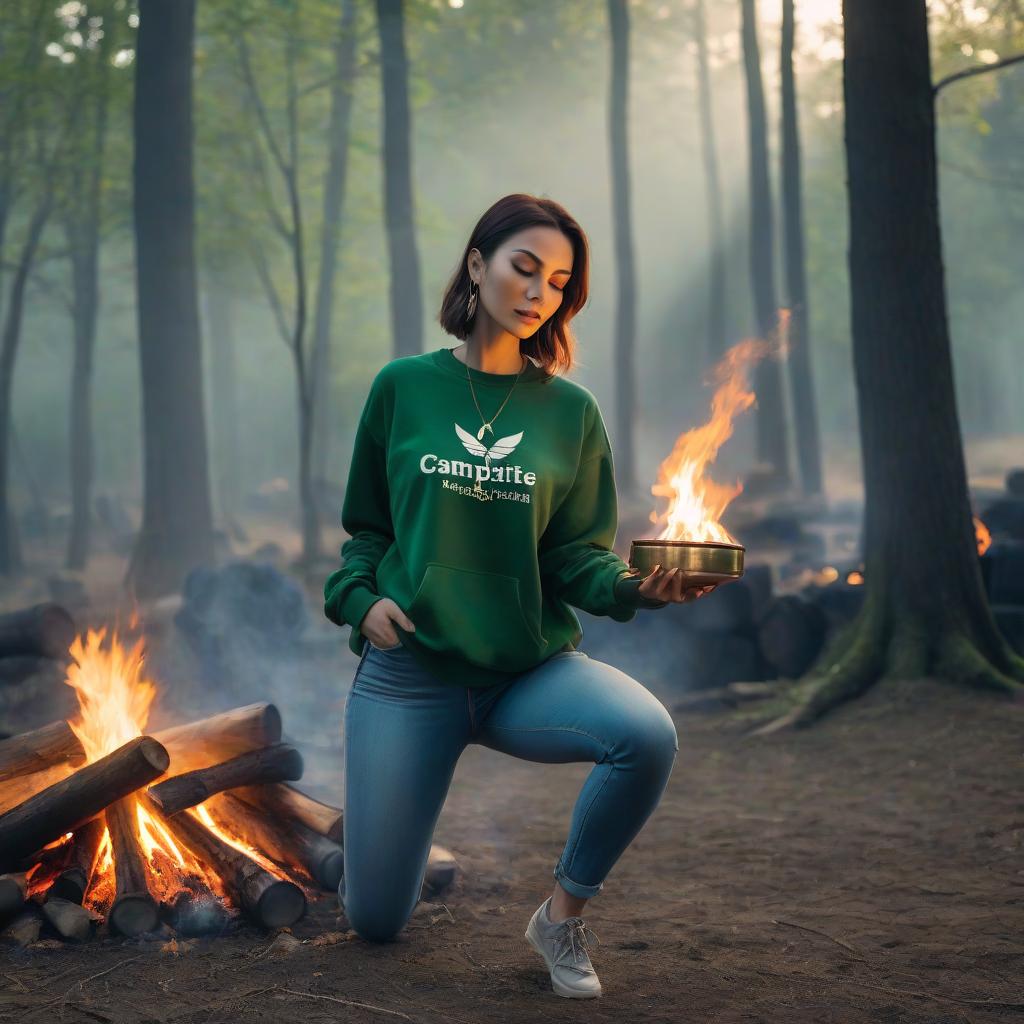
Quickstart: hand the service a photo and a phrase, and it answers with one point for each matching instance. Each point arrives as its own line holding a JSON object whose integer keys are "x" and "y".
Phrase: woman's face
{"x": 522, "y": 286}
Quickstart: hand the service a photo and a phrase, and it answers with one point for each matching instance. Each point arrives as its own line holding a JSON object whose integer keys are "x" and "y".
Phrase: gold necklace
{"x": 478, "y": 490}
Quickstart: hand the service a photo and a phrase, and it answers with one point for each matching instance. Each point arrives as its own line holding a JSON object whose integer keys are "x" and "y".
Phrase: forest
{"x": 220, "y": 221}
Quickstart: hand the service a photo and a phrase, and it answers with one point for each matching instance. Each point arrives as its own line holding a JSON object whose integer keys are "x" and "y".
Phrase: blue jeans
{"x": 405, "y": 731}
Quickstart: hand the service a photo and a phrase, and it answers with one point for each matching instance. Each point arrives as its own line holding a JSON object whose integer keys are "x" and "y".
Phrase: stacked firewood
{"x": 55, "y": 810}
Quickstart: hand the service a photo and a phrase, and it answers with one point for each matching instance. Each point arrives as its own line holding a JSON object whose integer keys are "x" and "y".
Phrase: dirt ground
{"x": 866, "y": 870}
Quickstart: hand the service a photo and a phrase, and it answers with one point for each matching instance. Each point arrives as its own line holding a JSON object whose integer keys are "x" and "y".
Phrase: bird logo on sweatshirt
{"x": 501, "y": 448}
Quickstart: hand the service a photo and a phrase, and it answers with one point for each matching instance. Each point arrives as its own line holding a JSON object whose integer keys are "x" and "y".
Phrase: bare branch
{"x": 978, "y": 69}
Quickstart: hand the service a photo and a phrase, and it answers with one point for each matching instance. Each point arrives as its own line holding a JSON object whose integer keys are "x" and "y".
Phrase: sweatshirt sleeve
{"x": 366, "y": 517}
{"x": 576, "y": 560}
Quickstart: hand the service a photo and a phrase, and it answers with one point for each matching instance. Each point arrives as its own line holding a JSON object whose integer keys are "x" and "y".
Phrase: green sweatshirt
{"x": 487, "y": 577}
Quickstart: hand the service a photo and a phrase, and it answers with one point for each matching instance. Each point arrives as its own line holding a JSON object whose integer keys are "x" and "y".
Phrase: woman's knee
{"x": 377, "y": 923}
{"x": 376, "y": 919}
{"x": 653, "y": 740}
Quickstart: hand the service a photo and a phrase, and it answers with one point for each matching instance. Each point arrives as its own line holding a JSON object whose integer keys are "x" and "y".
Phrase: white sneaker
{"x": 564, "y": 948}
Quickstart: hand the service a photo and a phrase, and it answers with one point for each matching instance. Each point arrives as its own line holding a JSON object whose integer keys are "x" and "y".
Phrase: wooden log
{"x": 13, "y": 889}
{"x": 196, "y": 910}
{"x": 73, "y": 801}
{"x": 134, "y": 910}
{"x": 72, "y": 883}
{"x": 46, "y": 630}
{"x": 267, "y": 764}
{"x": 284, "y": 840}
{"x": 69, "y": 920}
{"x": 790, "y": 633}
{"x": 18, "y": 790}
{"x": 283, "y": 801}
{"x": 272, "y": 902}
{"x": 210, "y": 741}
{"x": 38, "y": 750}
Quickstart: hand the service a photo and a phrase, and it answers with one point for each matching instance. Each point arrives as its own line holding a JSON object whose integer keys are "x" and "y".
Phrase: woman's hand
{"x": 671, "y": 585}
{"x": 377, "y": 623}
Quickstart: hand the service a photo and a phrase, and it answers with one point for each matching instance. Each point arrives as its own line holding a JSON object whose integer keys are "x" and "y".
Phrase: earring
{"x": 471, "y": 305}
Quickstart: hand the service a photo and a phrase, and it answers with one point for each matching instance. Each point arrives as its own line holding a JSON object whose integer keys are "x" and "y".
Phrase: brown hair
{"x": 554, "y": 344}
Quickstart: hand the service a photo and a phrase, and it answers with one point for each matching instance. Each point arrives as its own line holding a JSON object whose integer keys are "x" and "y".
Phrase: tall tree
{"x": 285, "y": 157}
{"x": 35, "y": 126}
{"x": 625, "y": 266}
{"x": 342, "y": 84}
{"x": 177, "y": 527}
{"x": 399, "y": 208}
{"x": 925, "y": 611}
{"x": 805, "y": 412}
{"x": 82, "y": 223}
{"x": 718, "y": 338}
{"x": 772, "y": 436}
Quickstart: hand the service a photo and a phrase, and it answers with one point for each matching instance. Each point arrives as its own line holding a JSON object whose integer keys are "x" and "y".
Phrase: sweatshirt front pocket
{"x": 474, "y": 615}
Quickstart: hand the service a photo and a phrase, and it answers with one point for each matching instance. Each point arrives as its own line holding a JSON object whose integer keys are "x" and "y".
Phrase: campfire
{"x": 692, "y": 535}
{"x": 185, "y": 827}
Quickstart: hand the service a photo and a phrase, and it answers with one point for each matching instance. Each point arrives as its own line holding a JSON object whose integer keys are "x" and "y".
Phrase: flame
{"x": 696, "y": 502}
{"x": 203, "y": 814}
{"x": 982, "y": 536}
{"x": 855, "y": 578}
{"x": 113, "y": 698}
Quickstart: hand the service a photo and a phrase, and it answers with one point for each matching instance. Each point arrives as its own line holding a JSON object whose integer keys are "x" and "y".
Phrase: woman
{"x": 469, "y": 542}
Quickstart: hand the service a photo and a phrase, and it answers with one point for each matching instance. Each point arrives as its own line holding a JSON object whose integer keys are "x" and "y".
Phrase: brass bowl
{"x": 701, "y": 562}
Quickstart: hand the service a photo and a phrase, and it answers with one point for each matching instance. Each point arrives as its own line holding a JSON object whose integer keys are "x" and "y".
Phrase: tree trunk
{"x": 925, "y": 611}
{"x": 82, "y": 229}
{"x": 224, "y": 409}
{"x": 334, "y": 196}
{"x": 718, "y": 335}
{"x": 772, "y": 437}
{"x": 399, "y": 208}
{"x": 801, "y": 380}
{"x": 10, "y": 549}
{"x": 177, "y": 527}
{"x": 624, "y": 340}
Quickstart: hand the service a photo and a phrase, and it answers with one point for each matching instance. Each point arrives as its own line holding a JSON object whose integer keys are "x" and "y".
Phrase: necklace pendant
{"x": 480, "y": 432}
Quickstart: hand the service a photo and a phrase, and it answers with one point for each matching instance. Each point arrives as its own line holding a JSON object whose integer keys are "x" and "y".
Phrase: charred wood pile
{"x": 183, "y": 830}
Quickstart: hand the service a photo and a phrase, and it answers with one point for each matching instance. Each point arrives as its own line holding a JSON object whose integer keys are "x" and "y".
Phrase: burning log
{"x": 284, "y": 840}
{"x": 270, "y": 901}
{"x": 34, "y": 751}
{"x": 46, "y": 630}
{"x": 73, "y": 801}
{"x": 134, "y": 910}
{"x": 73, "y": 881}
{"x": 281, "y": 801}
{"x": 13, "y": 889}
{"x": 212, "y": 740}
{"x": 267, "y": 764}
{"x": 196, "y": 911}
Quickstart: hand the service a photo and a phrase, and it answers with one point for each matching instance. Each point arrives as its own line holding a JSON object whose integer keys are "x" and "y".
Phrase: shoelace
{"x": 576, "y": 942}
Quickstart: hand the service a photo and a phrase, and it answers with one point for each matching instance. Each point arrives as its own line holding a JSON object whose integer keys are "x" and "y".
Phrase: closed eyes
{"x": 527, "y": 273}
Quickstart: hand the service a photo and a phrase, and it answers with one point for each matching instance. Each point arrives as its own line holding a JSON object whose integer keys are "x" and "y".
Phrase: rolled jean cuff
{"x": 584, "y": 892}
